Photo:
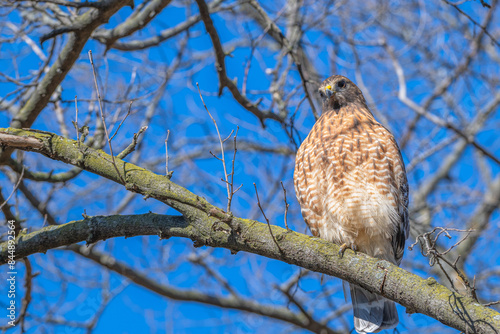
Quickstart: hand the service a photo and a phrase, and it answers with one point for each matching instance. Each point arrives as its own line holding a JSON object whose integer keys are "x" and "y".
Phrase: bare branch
{"x": 88, "y": 22}
{"x": 220, "y": 66}
{"x": 131, "y": 147}
{"x": 102, "y": 116}
{"x": 229, "y": 186}
{"x": 286, "y": 205}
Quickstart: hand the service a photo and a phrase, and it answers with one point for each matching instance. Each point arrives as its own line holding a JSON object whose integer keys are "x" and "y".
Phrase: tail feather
{"x": 372, "y": 313}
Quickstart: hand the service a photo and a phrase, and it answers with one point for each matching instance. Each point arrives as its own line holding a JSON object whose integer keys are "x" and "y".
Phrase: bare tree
{"x": 184, "y": 123}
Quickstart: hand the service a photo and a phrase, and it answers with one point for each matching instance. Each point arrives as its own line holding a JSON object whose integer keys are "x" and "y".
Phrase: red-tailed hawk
{"x": 351, "y": 183}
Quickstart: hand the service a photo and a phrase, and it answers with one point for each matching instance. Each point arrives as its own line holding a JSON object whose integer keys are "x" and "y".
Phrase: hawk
{"x": 351, "y": 184}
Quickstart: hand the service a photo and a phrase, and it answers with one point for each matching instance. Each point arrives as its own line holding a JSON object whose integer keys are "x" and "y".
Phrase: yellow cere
{"x": 329, "y": 87}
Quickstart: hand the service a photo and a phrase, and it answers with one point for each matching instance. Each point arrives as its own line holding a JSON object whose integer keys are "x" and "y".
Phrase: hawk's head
{"x": 337, "y": 91}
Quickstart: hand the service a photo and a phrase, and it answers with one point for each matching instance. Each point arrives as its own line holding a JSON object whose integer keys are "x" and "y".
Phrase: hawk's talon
{"x": 344, "y": 247}
{"x": 342, "y": 250}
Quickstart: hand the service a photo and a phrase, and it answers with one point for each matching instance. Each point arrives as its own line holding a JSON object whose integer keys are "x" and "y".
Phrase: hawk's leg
{"x": 344, "y": 246}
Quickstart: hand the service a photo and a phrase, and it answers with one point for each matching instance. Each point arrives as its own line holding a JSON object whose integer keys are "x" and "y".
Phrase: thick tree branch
{"x": 135, "y": 22}
{"x": 208, "y": 225}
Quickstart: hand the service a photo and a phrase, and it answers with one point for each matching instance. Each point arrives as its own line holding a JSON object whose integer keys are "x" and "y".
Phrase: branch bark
{"x": 135, "y": 22}
{"x": 208, "y": 225}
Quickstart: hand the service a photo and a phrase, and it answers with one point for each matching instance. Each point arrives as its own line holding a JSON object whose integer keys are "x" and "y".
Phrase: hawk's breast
{"x": 346, "y": 180}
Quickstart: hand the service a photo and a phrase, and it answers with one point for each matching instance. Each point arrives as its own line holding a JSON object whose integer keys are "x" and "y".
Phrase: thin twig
{"x": 123, "y": 120}
{"x": 431, "y": 251}
{"x": 304, "y": 84}
{"x": 286, "y": 205}
{"x": 14, "y": 189}
{"x": 265, "y": 217}
{"x": 131, "y": 147}
{"x": 167, "y": 173}
{"x": 223, "y": 159}
{"x": 231, "y": 185}
{"x": 102, "y": 117}
{"x": 200, "y": 260}
{"x": 493, "y": 40}
{"x": 76, "y": 122}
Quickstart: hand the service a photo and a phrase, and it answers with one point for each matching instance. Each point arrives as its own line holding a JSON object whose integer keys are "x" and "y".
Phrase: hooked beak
{"x": 329, "y": 91}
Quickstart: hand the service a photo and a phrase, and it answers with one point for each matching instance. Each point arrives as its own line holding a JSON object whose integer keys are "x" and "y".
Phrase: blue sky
{"x": 137, "y": 310}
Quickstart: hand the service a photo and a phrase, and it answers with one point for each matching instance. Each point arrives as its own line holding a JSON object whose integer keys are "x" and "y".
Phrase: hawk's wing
{"x": 402, "y": 230}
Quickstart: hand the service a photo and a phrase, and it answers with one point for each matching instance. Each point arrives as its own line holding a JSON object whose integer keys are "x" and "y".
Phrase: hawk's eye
{"x": 341, "y": 84}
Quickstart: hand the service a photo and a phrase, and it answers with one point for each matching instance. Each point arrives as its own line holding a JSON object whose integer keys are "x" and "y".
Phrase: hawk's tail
{"x": 372, "y": 313}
